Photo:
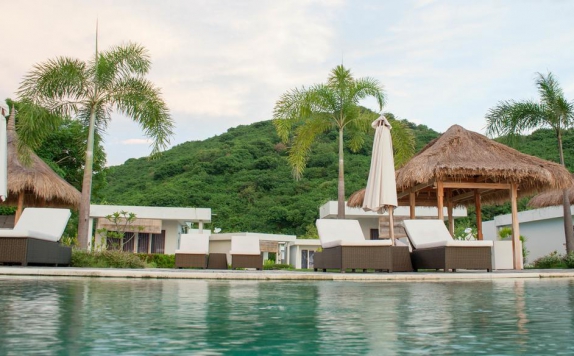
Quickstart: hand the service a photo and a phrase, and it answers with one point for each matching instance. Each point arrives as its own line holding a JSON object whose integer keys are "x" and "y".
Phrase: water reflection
{"x": 123, "y": 316}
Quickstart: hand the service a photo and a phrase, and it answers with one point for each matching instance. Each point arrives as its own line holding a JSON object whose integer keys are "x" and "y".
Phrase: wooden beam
{"x": 412, "y": 206}
{"x": 414, "y": 189}
{"x": 515, "y": 227}
{"x": 449, "y": 206}
{"x": 20, "y": 207}
{"x": 478, "y": 207}
{"x": 470, "y": 185}
{"x": 439, "y": 199}
{"x": 469, "y": 195}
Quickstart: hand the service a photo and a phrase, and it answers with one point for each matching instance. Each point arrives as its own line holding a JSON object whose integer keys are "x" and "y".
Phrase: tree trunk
{"x": 568, "y": 226}
{"x": 84, "y": 215}
{"x": 341, "y": 189}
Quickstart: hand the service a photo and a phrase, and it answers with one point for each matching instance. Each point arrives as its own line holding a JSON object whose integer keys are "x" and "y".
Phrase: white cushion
{"x": 41, "y": 223}
{"x": 427, "y": 231}
{"x": 456, "y": 243}
{"x": 193, "y": 244}
{"x": 245, "y": 245}
{"x": 338, "y": 230}
{"x": 335, "y": 243}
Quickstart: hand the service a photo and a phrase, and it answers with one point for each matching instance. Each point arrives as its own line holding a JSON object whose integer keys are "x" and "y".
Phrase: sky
{"x": 224, "y": 63}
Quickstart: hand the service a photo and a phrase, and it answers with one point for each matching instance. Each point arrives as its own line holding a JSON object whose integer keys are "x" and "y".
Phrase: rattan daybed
{"x": 246, "y": 252}
{"x": 35, "y": 239}
{"x": 434, "y": 248}
{"x": 192, "y": 252}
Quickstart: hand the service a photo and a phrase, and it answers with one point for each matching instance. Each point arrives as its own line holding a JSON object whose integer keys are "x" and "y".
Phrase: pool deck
{"x": 162, "y": 273}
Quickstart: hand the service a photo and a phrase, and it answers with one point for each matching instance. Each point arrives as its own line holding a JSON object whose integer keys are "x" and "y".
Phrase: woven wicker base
{"x": 453, "y": 258}
{"x": 247, "y": 261}
{"x": 29, "y": 251}
{"x": 217, "y": 261}
{"x": 188, "y": 260}
{"x": 354, "y": 257}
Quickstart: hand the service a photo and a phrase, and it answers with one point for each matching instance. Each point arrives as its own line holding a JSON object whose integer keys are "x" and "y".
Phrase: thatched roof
{"x": 463, "y": 156}
{"x": 40, "y": 184}
{"x": 552, "y": 198}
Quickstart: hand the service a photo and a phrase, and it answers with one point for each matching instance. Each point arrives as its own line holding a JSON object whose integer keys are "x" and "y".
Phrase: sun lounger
{"x": 35, "y": 238}
{"x": 344, "y": 247}
{"x": 246, "y": 252}
{"x": 434, "y": 248}
{"x": 193, "y": 251}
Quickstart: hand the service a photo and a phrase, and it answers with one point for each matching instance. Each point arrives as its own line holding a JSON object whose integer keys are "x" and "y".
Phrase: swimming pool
{"x": 96, "y": 316}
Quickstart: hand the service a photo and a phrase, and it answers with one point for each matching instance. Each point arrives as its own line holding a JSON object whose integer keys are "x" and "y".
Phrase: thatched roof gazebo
{"x": 35, "y": 184}
{"x": 552, "y": 197}
{"x": 462, "y": 168}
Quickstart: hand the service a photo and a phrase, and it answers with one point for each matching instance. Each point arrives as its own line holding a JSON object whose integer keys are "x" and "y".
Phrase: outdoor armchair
{"x": 35, "y": 238}
{"x": 246, "y": 252}
{"x": 434, "y": 248}
{"x": 193, "y": 251}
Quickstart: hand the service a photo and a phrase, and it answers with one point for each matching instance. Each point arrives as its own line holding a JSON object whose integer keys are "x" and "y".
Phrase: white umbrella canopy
{"x": 381, "y": 191}
{"x": 3, "y": 157}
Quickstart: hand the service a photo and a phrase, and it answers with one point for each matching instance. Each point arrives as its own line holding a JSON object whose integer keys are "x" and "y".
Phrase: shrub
{"x": 553, "y": 260}
{"x": 106, "y": 259}
{"x": 569, "y": 260}
{"x": 157, "y": 260}
{"x": 271, "y": 265}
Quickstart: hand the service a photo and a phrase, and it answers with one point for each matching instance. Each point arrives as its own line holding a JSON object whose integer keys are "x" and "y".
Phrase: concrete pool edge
{"x": 279, "y": 275}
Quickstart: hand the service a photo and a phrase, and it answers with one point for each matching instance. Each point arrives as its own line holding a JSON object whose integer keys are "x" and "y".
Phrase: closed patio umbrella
{"x": 381, "y": 190}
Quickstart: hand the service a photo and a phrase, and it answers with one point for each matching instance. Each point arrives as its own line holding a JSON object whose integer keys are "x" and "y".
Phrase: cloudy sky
{"x": 225, "y": 63}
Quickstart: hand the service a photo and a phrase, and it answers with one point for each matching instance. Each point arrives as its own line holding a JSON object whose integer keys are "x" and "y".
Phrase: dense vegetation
{"x": 243, "y": 176}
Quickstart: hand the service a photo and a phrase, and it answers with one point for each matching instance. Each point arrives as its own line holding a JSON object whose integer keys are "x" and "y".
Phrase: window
{"x": 143, "y": 243}
{"x": 374, "y": 234}
{"x": 158, "y": 242}
{"x": 307, "y": 258}
{"x": 129, "y": 242}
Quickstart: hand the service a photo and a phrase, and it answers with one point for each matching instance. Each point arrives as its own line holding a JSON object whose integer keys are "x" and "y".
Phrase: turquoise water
{"x": 58, "y": 316}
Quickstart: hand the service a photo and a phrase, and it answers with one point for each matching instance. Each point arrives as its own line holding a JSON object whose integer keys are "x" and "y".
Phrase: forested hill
{"x": 244, "y": 177}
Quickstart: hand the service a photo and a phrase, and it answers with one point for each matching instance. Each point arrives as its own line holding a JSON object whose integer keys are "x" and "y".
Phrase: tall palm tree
{"x": 90, "y": 92}
{"x": 300, "y": 115}
{"x": 510, "y": 118}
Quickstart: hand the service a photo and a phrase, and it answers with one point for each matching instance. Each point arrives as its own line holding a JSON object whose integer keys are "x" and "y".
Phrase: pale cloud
{"x": 225, "y": 63}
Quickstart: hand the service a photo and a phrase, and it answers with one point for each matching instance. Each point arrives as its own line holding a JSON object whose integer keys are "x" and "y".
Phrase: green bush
{"x": 569, "y": 260}
{"x": 158, "y": 260}
{"x": 553, "y": 260}
{"x": 271, "y": 265}
{"x": 106, "y": 259}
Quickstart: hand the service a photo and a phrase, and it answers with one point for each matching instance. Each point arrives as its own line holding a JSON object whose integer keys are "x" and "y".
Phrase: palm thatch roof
{"x": 466, "y": 157}
{"x": 38, "y": 183}
{"x": 552, "y": 198}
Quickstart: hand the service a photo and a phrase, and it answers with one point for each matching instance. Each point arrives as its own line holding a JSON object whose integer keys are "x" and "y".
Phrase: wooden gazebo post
{"x": 515, "y": 226}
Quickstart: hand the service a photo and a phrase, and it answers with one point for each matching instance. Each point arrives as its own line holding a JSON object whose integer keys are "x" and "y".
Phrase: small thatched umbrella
{"x": 35, "y": 184}
{"x": 462, "y": 168}
{"x": 552, "y": 197}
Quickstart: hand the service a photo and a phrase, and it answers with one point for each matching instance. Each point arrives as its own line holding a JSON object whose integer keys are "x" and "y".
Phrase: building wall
{"x": 172, "y": 231}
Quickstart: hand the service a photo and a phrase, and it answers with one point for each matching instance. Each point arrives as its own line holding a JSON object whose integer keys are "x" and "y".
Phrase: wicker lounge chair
{"x": 246, "y": 252}
{"x": 434, "y": 248}
{"x": 35, "y": 239}
{"x": 345, "y": 247}
{"x": 192, "y": 252}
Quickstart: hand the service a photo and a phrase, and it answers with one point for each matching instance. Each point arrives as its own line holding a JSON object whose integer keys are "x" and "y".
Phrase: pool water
{"x": 60, "y": 316}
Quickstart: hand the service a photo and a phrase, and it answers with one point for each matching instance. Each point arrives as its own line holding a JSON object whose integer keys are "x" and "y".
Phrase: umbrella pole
{"x": 391, "y": 225}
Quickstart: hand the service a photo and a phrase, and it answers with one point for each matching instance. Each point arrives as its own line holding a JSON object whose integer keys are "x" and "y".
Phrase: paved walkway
{"x": 279, "y": 275}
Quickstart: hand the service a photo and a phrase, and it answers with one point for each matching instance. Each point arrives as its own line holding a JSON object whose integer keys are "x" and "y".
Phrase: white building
{"x": 161, "y": 226}
{"x": 542, "y": 228}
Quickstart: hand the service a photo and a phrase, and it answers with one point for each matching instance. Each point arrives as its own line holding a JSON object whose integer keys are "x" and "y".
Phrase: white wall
{"x": 171, "y": 236}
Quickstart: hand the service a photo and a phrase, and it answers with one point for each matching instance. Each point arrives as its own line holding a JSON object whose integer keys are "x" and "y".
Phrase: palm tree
{"x": 90, "y": 91}
{"x": 510, "y": 118}
{"x": 300, "y": 115}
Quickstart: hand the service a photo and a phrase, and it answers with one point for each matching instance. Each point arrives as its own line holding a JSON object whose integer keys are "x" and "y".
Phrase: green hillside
{"x": 243, "y": 176}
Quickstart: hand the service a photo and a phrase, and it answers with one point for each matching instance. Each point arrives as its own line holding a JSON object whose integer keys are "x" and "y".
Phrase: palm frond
{"x": 368, "y": 87}
{"x": 57, "y": 85}
{"x": 301, "y": 143}
{"x": 510, "y": 118}
{"x": 138, "y": 99}
{"x": 403, "y": 141}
